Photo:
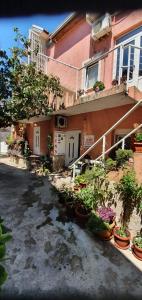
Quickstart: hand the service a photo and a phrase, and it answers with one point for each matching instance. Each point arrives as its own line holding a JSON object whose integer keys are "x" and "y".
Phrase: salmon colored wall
{"x": 44, "y": 131}
{"x": 73, "y": 48}
{"x": 95, "y": 123}
{"x": 76, "y": 46}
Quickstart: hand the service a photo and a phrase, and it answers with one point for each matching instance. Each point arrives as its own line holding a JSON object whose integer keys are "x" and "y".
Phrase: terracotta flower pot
{"x": 107, "y": 233}
{"x": 138, "y": 147}
{"x": 82, "y": 217}
{"x": 121, "y": 242}
{"x": 82, "y": 185}
{"x": 137, "y": 252}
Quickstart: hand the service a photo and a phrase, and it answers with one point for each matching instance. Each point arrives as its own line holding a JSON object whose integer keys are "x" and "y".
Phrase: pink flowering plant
{"x": 106, "y": 214}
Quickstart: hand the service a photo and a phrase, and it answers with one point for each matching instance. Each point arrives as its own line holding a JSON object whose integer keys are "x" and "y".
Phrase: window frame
{"x": 86, "y": 65}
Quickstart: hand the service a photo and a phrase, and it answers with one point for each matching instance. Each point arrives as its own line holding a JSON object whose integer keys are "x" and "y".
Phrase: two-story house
{"x": 83, "y": 50}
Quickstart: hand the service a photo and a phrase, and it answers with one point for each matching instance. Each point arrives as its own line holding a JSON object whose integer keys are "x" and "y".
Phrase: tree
{"x": 24, "y": 91}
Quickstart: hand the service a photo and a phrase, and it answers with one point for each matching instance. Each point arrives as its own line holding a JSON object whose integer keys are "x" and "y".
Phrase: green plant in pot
{"x": 81, "y": 181}
{"x": 138, "y": 142}
{"x": 86, "y": 202}
{"x": 98, "y": 86}
{"x": 102, "y": 222}
{"x": 130, "y": 194}
{"x": 122, "y": 237}
{"x": 137, "y": 246}
{"x": 122, "y": 156}
{"x": 68, "y": 199}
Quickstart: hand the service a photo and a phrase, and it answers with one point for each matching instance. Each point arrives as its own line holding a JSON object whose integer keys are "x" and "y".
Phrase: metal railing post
{"x": 123, "y": 144}
{"x": 104, "y": 147}
{"x": 73, "y": 177}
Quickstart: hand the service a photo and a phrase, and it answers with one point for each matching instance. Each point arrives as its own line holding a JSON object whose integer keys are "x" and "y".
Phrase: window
{"x": 91, "y": 75}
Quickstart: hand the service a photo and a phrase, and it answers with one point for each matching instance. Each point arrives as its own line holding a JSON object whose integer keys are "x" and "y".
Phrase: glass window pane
{"x": 92, "y": 75}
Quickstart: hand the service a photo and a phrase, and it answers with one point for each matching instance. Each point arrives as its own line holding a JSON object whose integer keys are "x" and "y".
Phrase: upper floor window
{"x": 128, "y": 56}
{"x": 91, "y": 75}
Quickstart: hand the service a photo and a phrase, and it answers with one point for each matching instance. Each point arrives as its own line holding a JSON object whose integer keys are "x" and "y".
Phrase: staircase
{"x": 102, "y": 139}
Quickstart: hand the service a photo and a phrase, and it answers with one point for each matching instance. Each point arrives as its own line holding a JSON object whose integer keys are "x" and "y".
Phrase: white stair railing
{"x": 103, "y": 138}
{"x": 119, "y": 142}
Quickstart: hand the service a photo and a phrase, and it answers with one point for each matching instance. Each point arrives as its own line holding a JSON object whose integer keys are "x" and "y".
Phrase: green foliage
{"x": 4, "y": 238}
{"x": 67, "y": 196}
{"x": 95, "y": 224}
{"x": 49, "y": 142}
{"x": 9, "y": 139}
{"x": 81, "y": 179}
{"x": 122, "y": 231}
{"x": 3, "y": 275}
{"x": 110, "y": 164}
{"x": 98, "y": 86}
{"x": 87, "y": 197}
{"x": 24, "y": 90}
{"x": 97, "y": 174}
{"x": 122, "y": 156}
{"x": 130, "y": 195}
{"x": 96, "y": 179}
{"x": 137, "y": 240}
{"x": 138, "y": 137}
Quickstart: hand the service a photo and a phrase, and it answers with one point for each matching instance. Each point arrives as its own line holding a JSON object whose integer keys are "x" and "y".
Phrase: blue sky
{"x": 24, "y": 23}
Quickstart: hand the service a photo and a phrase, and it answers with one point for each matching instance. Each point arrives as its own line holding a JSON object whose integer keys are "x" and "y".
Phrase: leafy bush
{"x": 87, "y": 197}
{"x": 81, "y": 179}
{"x": 9, "y": 139}
{"x": 122, "y": 156}
{"x": 130, "y": 194}
{"x": 4, "y": 237}
{"x": 110, "y": 164}
{"x": 138, "y": 137}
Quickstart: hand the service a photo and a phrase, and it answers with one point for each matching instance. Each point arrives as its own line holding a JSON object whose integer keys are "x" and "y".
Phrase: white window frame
{"x": 85, "y": 65}
{"x": 135, "y": 37}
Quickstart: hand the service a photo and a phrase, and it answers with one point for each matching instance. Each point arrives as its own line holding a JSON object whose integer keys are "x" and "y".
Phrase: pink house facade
{"x": 80, "y": 54}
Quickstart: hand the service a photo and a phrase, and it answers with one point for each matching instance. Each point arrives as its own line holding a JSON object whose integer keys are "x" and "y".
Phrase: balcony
{"x": 120, "y": 66}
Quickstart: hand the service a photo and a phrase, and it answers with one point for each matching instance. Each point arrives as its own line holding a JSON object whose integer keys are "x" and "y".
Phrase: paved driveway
{"x": 49, "y": 257}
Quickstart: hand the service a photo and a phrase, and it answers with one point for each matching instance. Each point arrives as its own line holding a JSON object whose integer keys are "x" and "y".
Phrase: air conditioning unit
{"x": 101, "y": 27}
{"x": 61, "y": 122}
{"x": 91, "y": 18}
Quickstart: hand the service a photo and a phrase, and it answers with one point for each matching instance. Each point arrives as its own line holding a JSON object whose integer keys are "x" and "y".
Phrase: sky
{"x": 7, "y": 35}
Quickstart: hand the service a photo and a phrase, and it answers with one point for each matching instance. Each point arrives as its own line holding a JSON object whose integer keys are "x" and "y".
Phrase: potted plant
{"x": 85, "y": 203}
{"x": 81, "y": 181}
{"x": 138, "y": 142}
{"x": 114, "y": 82}
{"x": 98, "y": 86}
{"x": 68, "y": 197}
{"x": 122, "y": 237}
{"x": 137, "y": 246}
{"x": 102, "y": 223}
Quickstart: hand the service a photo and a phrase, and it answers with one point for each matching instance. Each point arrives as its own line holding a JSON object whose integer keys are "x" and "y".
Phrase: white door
{"x": 3, "y": 148}
{"x": 72, "y": 144}
{"x": 36, "y": 147}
